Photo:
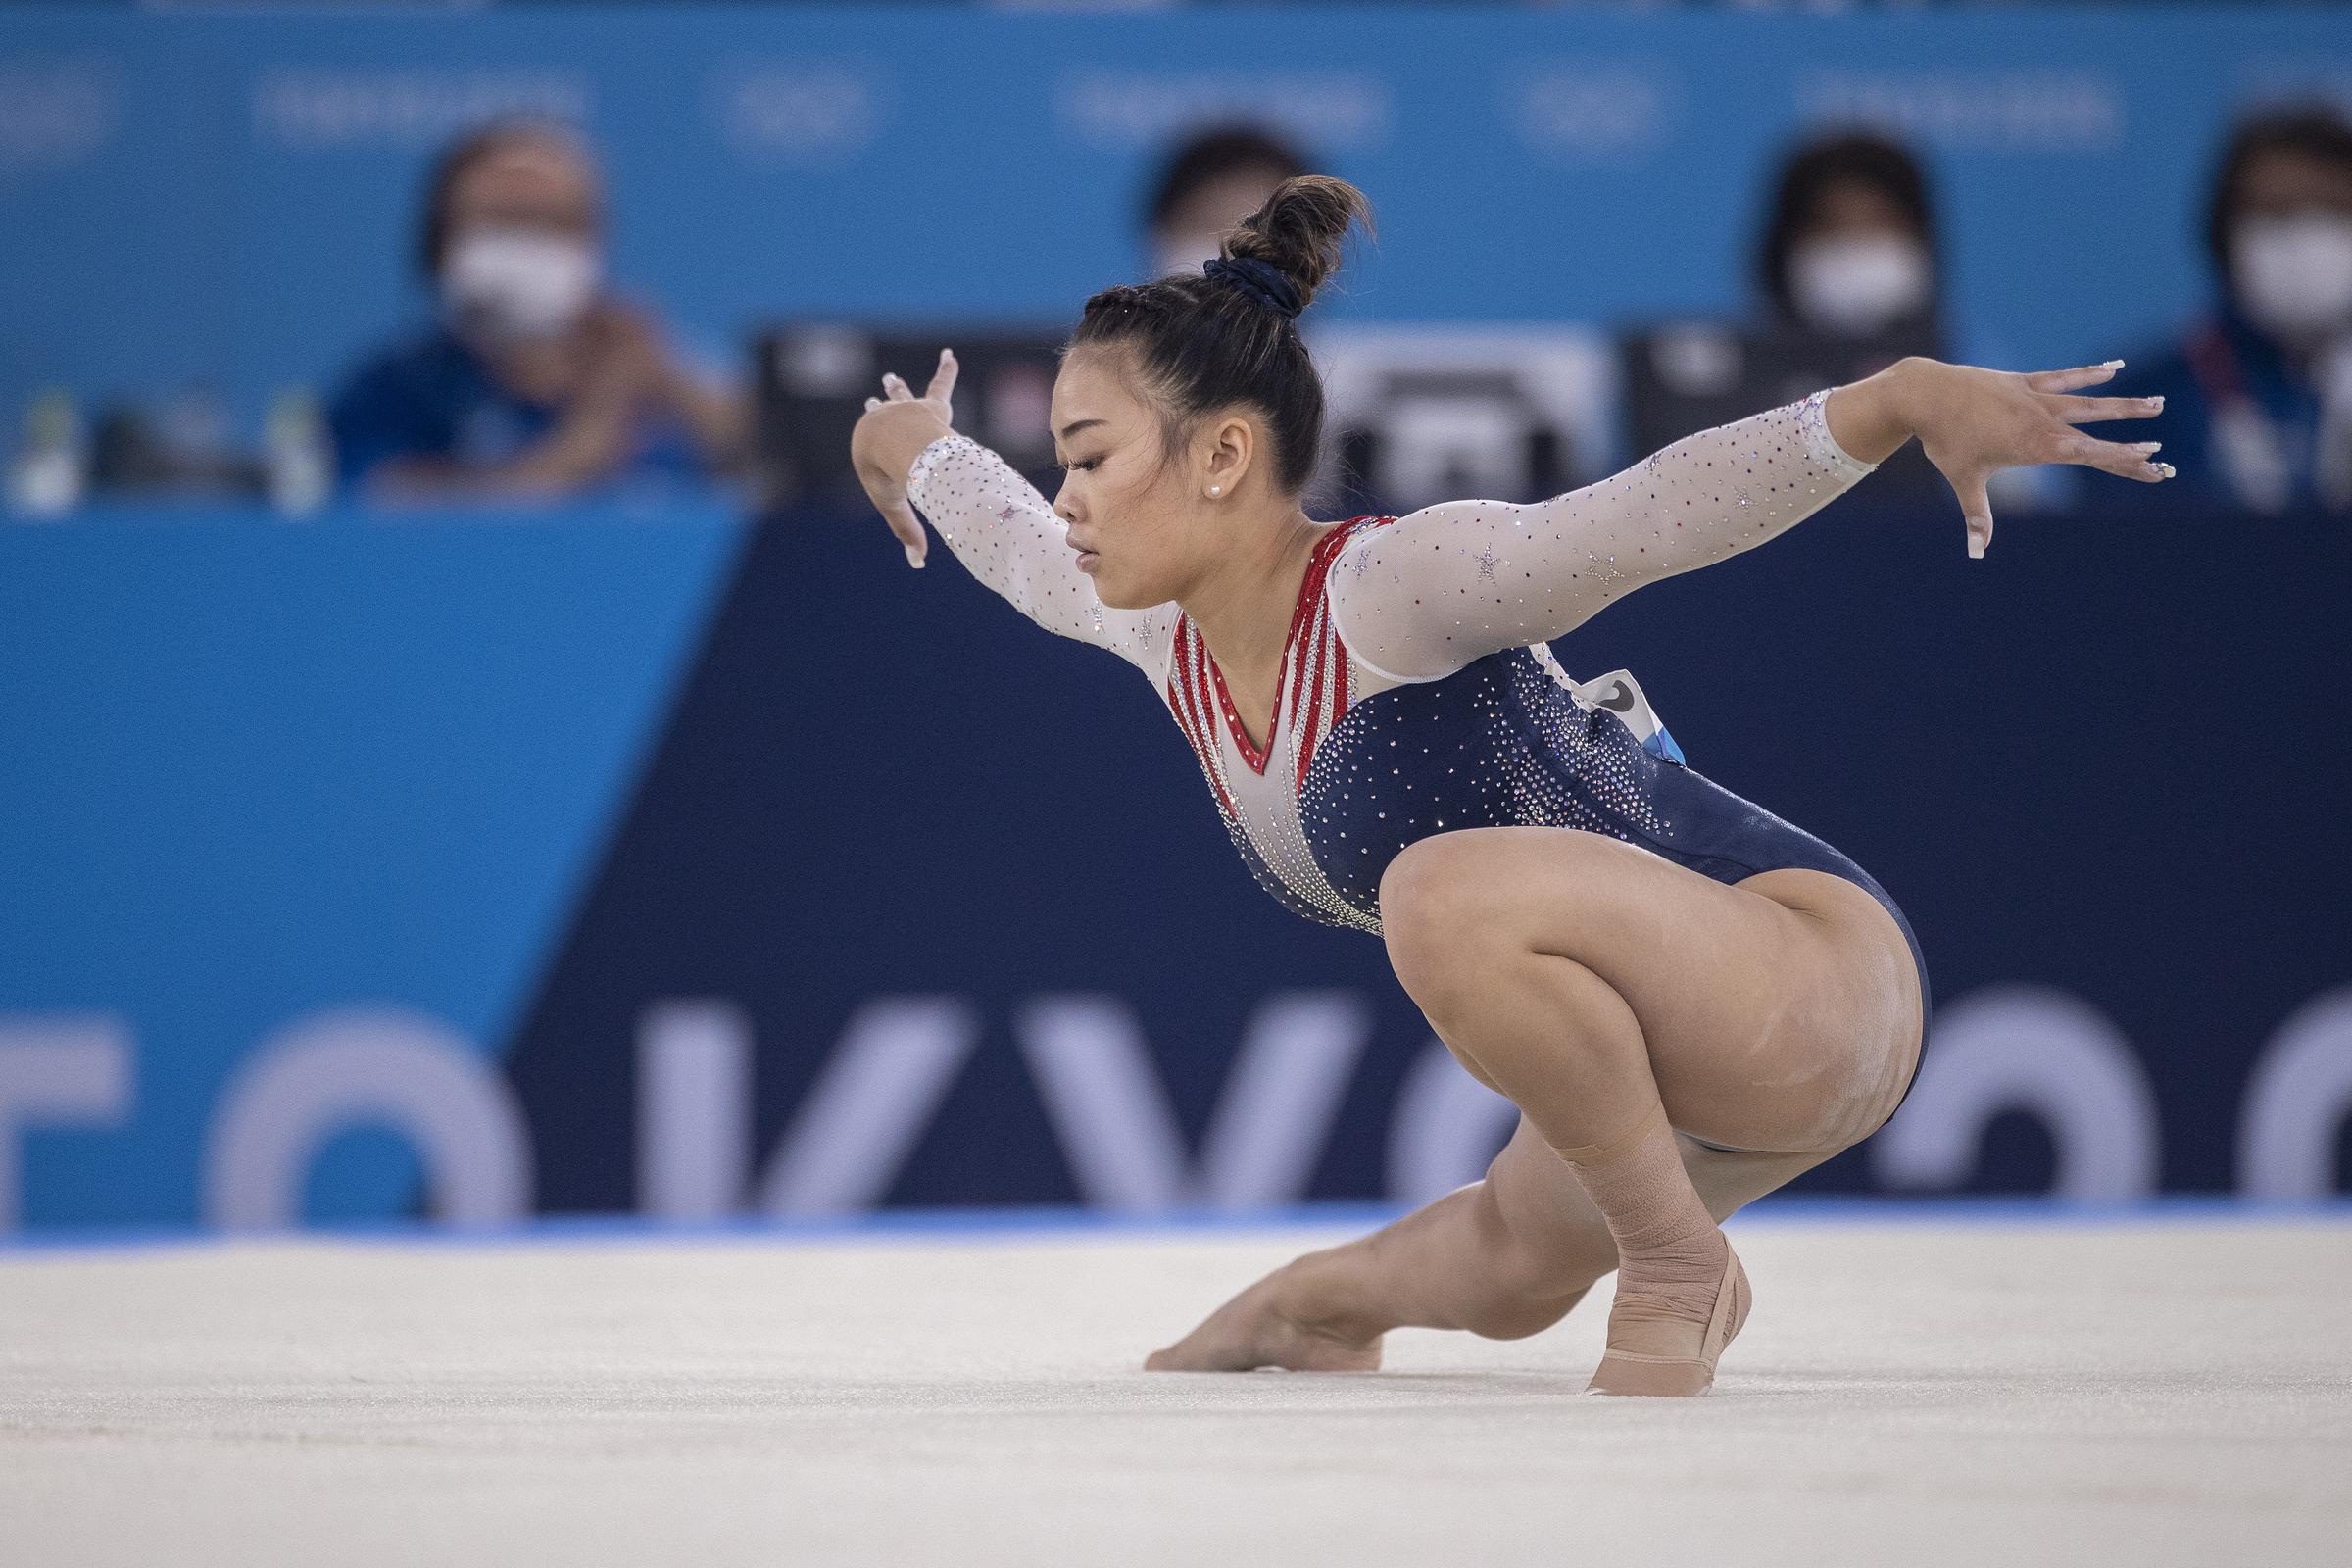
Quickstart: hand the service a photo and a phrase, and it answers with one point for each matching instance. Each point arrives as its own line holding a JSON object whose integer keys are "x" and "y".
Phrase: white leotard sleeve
{"x": 1428, "y": 594}
{"x": 1008, "y": 537}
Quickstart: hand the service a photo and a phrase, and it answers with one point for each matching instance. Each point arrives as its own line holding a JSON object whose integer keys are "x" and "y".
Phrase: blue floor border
{"x": 974, "y": 1224}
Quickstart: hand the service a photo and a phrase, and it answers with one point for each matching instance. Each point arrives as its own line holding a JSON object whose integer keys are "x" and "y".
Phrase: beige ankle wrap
{"x": 1670, "y": 1254}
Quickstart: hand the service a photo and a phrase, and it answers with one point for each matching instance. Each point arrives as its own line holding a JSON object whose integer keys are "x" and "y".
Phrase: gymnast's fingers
{"x": 909, "y": 531}
{"x": 943, "y": 380}
{"x": 2130, "y": 461}
{"x": 2087, "y": 410}
{"x": 2080, "y": 375}
{"x": 899, "y": 391}
{"x": 1976, "y": 509}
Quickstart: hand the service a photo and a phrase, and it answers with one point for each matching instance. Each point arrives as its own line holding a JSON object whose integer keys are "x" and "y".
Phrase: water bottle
{"x": 298, "y": 465}
{"x": 51, "y": 469}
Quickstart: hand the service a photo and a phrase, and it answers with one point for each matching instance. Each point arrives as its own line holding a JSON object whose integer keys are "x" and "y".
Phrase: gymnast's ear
{"x": 1226, "y": 454}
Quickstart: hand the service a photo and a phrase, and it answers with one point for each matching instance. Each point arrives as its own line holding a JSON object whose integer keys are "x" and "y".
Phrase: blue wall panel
{"x": 256, "y": 769}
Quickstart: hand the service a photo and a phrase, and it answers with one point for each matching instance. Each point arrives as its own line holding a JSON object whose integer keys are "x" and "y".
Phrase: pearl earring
{"x": 1216, "y": 489}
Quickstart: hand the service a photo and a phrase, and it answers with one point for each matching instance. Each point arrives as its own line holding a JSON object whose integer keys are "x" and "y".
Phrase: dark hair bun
{"x": 1302, "y": 228}
{"x": 1223, "y": 337}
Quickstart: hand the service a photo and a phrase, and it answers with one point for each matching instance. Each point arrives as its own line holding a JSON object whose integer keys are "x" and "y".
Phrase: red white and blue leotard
{"x": 1417, "y": 694}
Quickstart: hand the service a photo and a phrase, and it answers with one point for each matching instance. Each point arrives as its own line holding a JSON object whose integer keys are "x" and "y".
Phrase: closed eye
{"x": 1082, "y": 465}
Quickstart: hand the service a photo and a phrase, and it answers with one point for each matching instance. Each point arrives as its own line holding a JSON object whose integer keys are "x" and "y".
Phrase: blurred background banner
{"x": 230, "y": 198}
{"x": 654, "y": 849}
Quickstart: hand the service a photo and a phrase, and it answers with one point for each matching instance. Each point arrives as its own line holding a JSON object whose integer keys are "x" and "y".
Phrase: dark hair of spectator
{"x": 1859, "y": 156}
{"x": 456, "y": 161}
{"x": 2311, "y": 131}
{"x": 1204, "y": 343}
{"x": 1212, "y": 154}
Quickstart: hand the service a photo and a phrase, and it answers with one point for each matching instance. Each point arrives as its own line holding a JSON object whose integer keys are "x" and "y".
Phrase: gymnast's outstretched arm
{"x": 1008, "y": 537}
{"x": 1452, "y": 583}
{"x": 999, "y": 527}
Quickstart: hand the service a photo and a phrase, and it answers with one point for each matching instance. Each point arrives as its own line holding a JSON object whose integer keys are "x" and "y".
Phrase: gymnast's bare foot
{"x": 1264, "y": 1326}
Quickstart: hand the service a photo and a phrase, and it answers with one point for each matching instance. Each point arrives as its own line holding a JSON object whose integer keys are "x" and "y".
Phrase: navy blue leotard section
{"x": 1500, "y": 743}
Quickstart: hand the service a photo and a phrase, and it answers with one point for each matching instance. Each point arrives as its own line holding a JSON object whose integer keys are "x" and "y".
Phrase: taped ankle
{"x": 1669, "y": 1254}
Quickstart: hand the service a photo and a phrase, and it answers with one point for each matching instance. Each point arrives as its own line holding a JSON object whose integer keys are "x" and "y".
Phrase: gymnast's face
{"x": 1136, "y": 509}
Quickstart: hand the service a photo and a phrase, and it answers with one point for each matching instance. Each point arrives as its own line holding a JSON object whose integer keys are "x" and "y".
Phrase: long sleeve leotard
{"x": 1417, "y": 693}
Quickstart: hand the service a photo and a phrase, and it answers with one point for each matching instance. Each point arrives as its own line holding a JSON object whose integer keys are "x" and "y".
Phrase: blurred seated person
{"x": 2257, "y": 394}
{"x": 1848, "y": 256}
{"x": 1846, "y": 264}
{"x": 535, "y": 382}
{"x": 1212, "y": 181}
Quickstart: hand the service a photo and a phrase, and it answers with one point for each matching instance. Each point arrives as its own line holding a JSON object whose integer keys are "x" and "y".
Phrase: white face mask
{"x": 1184, "y": 253}
{"x": 2293, "y": 273}
{"x": 510, "y": 285}
{"x": 1854, "y": 285}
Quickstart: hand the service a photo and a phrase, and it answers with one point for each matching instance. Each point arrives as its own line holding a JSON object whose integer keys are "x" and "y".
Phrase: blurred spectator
{"x": 1849, "y": 255}
{"x": 1847, "y": 265}
{"x": 535, "y": 382}
{"x": 2258, "y": 395}
{"x": 1214, "y": 179}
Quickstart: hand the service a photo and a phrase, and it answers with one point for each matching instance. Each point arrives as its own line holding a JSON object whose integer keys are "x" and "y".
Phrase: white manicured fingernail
{"x": 2156, "y": 402}
{"x": 2112, "y": 364}
{"x": 2151, "y": 448}
{"x": 1975, "y": 545}
{"x": 913, "y": 560}
{"x": 2164, "y": 469}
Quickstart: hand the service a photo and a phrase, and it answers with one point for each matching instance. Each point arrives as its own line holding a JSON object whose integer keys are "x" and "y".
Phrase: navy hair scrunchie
{"x": 1262, "y": 281}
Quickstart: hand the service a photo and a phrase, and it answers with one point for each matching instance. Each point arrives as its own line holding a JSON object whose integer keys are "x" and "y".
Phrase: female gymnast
{"x": 1689, "y": 999}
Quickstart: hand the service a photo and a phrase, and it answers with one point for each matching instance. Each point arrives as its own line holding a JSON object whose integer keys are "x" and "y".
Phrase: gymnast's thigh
{"x": 1781, "y": 1014}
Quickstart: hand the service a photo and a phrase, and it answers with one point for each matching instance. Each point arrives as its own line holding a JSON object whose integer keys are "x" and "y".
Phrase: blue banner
{"x": 480, "y": 866}
{"x": 258, "y": 772}
{"x": 231, "y": 199}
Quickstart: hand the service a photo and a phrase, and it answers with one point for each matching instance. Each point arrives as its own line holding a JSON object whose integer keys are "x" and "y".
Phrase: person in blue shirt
{"x": 2258, "y": 395}
{"x": 534, "y": 382}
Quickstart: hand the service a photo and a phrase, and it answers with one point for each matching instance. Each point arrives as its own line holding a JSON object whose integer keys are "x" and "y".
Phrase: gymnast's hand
{"x": 1973, "y": 423}
{"x": 890, "y": 435}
